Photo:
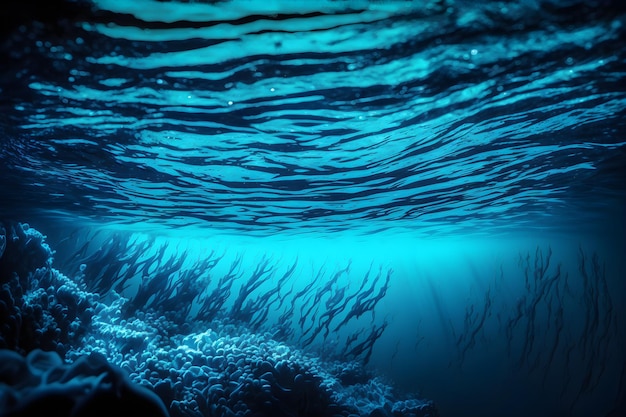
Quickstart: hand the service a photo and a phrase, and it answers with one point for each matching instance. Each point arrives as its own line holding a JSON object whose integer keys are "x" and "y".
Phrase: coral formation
{"x": 39, "y": 307}
{"x": 89, "y": 387}
{"x": 121, "y": 359}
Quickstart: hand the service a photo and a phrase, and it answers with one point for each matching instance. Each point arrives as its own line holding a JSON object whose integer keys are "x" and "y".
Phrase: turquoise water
{"x": 319, "y": 121}
{"x": 449, "y": 146}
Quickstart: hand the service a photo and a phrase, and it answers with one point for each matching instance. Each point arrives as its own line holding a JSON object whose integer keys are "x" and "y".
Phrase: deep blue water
{"x": 438, "y": 183}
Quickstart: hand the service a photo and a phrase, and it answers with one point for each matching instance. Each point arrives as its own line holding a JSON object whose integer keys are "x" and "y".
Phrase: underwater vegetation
{"x": 141, "y": 324}
{"x": 77, "y": 344}
{"x": 563, "y": 332}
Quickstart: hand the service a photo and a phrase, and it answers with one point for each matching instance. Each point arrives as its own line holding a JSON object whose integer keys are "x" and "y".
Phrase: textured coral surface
{"x": 68, "y": 347}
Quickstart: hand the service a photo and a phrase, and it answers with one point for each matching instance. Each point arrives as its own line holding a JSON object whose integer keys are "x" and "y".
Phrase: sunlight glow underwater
{"x": 215, "y": 328}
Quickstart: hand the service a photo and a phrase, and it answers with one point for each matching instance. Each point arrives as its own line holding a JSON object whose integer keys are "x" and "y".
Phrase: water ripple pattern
{"x": 317, "y": 117}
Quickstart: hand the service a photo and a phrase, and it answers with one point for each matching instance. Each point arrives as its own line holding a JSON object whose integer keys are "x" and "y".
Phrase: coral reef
{"x": 89, "y": 387}
{"x": 39, "y": 307}
{"x": 122, "y": 359}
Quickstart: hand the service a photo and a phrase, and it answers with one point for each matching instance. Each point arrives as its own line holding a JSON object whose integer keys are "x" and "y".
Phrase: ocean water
{"x": 394, "y": 208}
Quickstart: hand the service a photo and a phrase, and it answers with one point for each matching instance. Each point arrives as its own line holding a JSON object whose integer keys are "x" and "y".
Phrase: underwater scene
{"x": 333, "y": 208}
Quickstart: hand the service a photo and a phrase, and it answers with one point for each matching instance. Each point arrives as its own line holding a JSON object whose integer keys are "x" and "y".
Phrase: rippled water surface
{"x": 319, "y": 117}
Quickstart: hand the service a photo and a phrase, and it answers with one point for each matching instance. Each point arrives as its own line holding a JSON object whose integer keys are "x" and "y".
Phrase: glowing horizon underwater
{"x": 453, "y": 329}
{"x": 313, "y": 208}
